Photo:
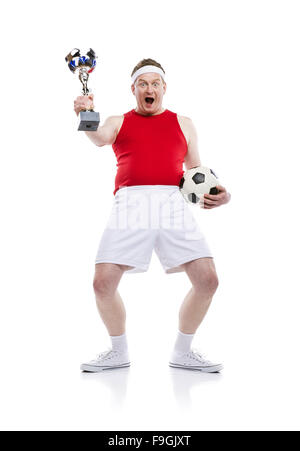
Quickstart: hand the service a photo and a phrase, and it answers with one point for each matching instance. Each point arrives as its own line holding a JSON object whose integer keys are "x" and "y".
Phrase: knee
{"x": 208, "y": 282}
{"x": 212, "y": 282}
{"x": 102, "y": 286}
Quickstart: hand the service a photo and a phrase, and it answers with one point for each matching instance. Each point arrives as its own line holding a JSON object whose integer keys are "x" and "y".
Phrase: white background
{"x": 233, "y": 67}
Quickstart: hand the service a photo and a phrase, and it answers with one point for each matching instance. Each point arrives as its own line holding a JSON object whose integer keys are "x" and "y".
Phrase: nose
{"x": 149, "y": 89}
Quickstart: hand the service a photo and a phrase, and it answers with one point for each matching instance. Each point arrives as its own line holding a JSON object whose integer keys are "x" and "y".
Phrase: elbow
{"x": 101, "y": 143}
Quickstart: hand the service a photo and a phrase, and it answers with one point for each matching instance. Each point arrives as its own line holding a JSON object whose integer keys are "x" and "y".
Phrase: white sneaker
{"x": 193, "y": 360}
{"x": 107, "y": 360}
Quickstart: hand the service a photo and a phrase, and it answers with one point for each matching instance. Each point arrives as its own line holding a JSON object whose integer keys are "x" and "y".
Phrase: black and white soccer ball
{"x": 196, "y": 182}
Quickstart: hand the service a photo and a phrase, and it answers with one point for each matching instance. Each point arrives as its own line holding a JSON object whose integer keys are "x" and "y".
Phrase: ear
{"x": 165, "y": 87}
{"x": 133, "y": 89}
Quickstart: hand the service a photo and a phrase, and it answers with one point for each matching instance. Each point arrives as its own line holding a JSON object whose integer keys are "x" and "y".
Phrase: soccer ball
{"x": 196, "y": 182}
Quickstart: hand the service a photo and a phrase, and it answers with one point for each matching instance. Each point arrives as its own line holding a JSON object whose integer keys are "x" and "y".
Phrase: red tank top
{"x": 150, "y": 150}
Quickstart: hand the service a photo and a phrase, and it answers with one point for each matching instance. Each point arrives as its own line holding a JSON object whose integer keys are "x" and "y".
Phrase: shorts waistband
{"x": 147, "y": 187}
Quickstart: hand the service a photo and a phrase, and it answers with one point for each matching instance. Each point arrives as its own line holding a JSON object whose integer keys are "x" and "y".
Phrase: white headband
{"x": 145, "y": 69}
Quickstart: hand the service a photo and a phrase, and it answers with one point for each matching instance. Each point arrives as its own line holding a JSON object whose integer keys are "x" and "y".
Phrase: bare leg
{"x": 109, "y": 301}
{"x": 202, "y": 274}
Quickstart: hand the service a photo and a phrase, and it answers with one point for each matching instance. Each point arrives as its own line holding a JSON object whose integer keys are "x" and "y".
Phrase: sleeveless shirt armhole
{"x": 187, "y": 146}
{"x": 119, "y": 132}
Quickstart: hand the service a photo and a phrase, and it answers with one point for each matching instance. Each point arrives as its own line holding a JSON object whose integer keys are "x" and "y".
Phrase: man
{"x": 151, "y": 144}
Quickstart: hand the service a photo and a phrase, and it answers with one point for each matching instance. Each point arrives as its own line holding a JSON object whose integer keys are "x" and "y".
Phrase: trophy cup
{"x": 84, "y": 65}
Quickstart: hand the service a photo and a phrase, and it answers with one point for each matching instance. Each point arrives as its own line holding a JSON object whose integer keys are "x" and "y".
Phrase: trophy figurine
{"x": 84, "y": 65}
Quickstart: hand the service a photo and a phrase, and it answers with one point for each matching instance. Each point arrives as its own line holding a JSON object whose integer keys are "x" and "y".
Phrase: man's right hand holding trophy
{"x": 83, "y": 103}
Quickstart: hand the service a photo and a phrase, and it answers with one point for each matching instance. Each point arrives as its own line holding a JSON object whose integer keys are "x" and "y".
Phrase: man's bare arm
{"x": 192, "y": 158}
{"x": 107, "y": 133}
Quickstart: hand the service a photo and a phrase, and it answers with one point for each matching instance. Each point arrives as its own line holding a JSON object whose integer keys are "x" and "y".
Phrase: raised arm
{"x": 107, "y": 133}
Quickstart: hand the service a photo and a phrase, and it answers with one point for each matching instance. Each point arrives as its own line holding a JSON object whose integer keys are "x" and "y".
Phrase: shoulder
{"x": 187, "y": 121}
{"x": 187, "y": 127}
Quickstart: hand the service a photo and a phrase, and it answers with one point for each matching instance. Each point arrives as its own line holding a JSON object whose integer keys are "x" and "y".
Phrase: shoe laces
{"x": 108, "y": 354}
{"x": 197, "y": 353}
{"x": 199, "y": 356}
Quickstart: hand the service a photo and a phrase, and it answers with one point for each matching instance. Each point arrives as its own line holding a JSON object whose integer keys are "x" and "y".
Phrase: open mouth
{"x": 149, "y": 100}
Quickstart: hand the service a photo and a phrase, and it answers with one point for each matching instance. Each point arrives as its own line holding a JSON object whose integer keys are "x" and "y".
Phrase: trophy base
{"x": 89, "y": 121}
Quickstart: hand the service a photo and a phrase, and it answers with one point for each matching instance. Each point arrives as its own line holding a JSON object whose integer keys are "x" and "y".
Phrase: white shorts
{"x": 147, "y": 217}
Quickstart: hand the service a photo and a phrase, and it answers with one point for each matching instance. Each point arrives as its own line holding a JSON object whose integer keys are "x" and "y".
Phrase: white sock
{"x": 119, "y": 342}
{"x": 183, "y": 342}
